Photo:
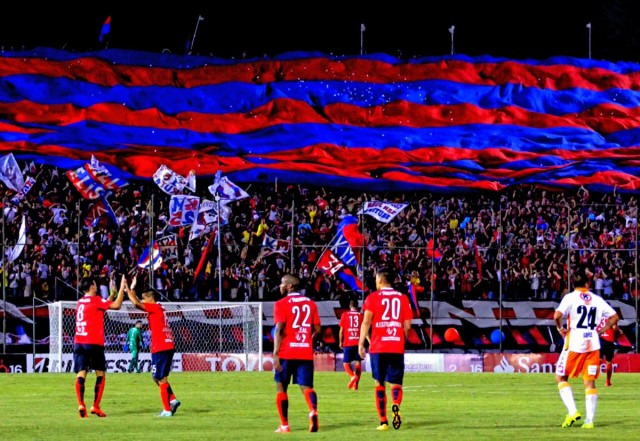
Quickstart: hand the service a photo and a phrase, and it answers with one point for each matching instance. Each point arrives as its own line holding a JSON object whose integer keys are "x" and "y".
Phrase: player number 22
{"x": 302, "y": 316}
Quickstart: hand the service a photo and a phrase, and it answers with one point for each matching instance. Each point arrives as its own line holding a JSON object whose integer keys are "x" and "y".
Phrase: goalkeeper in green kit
{"x": 134, "y": 340}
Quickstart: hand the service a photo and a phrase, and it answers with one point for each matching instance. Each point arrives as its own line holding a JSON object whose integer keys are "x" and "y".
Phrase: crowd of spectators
{"x": 520, "y": 243}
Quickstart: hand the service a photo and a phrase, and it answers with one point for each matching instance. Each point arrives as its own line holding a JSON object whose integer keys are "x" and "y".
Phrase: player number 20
{"x": 391, "y": 308}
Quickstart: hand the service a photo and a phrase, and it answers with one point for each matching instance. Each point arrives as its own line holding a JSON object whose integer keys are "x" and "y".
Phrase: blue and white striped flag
{"x": 150, "y": 259}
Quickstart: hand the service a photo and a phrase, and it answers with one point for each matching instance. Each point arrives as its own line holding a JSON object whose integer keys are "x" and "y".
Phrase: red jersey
{"x": 90, "y": 320}
{"x": 608, "y": 335}
{"x": 161, "y": 333}
{"x": 299, "y": 315}
{"x": 390, "y": 310}
{"x": 350, "y": 322}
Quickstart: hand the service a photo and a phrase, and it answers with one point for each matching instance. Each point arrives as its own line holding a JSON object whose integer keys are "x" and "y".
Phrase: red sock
{"x": 98, "y": 390}
{"x": 381, "y": 403}
{"x": 80, "y": 390}
{"x": 609, "y": 371}
{"x": 164, "y": 395}
{"x": 348, "y": 370}
{"x": 311, "y": 399}
{"x": 396, "y": 395}
{"x": 358, "y": 369}
{"x": 282, "y": 403}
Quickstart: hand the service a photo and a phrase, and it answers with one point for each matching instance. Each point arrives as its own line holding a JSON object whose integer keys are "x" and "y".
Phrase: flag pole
{"x": 362, "y": 251}
{"x": 193, "y": 39}
{"x": 4, "y": 277}
{"x": 589, "y": 27}
{"x": 78, "y": 265}
{"x": 293, "y": 230}
{"x": 151, "y": 235}
{"x": 362, "y": 29}
{"x": 452, "y": 29}
{"x": 219, "y": 252}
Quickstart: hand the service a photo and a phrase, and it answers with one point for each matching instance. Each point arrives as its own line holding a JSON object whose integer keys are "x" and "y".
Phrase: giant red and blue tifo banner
{"x": 440, "y": 123}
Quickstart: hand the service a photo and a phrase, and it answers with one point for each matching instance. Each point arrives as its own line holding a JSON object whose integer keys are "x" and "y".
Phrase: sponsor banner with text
{"x": 546, "y": 363}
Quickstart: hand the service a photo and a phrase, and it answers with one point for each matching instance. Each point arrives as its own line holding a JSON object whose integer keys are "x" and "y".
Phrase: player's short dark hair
{"x": 388, "y": 274}
{"x": 86, "y": 283}
{"x": 580, "y": 277}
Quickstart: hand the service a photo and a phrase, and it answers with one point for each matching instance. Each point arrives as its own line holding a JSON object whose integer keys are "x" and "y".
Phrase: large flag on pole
{"x": 228, "y": 192}
{"x": 342, "y": 255}
{"x": 106, "y": 30}
{"x": 10, "y": 173}
{"x": 151, "y": 258}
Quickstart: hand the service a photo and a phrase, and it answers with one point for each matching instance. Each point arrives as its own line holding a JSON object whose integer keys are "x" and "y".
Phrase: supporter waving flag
{"x": 331, "y": 264}
{"x": 342, "y": 255}
{"x": 173, "y": 183}
{"x": 348, "y": 241}
{"x": 150, "y": 258}
{"x": 382, "y": 210}
{"x": 10, "y": 173}
{"x": 226, "y": 189}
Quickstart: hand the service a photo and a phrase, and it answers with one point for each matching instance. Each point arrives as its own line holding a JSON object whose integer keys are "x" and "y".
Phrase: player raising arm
{"x": 88, "y": 342}
{"x": 162, "y": 346}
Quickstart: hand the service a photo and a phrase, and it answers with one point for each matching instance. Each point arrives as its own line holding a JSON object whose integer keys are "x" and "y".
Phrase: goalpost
{"x": 208, "y": 336}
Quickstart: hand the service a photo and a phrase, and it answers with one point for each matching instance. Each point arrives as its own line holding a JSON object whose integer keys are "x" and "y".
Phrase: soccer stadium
{"x": 483, "y": 184}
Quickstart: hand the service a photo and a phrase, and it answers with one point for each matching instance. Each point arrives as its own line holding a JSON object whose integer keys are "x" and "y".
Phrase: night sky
{"x": 535, "y": 30}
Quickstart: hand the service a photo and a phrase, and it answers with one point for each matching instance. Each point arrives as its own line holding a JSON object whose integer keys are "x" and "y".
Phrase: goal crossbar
{"x": 209, "y": 328}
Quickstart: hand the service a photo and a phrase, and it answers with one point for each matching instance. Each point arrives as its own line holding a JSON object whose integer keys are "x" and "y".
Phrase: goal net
{"x": 208, "y": 336}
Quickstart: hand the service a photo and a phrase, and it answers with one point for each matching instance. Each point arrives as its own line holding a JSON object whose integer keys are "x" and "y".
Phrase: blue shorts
{"x": 350, "y": 353}
{"x": 88, "y": 357}
{"x": 387, "y": 367}
{"x": 161, "y": 363}
{"x": 301, "y": 371}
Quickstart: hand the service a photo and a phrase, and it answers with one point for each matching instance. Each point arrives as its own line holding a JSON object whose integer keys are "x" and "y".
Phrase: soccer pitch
{"x": 241, "y": 406}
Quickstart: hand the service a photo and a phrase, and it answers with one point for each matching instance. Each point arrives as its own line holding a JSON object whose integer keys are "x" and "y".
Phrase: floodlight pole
{"x": 452, "y": 29}
{"x": 589, "y": 27}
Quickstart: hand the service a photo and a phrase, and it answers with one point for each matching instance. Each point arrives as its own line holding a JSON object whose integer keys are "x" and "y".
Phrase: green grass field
{"x": 241, "y": 406}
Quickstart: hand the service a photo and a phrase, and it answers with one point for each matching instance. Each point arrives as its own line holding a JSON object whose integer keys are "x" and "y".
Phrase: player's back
{"x": 299, "y": 315}
{"x": 161, "y": 332}
{"x": 350, "y": 322}
{"x": 389, "y": 308}
{"x": 90, "y": 320}
{"x": 584, "y": 311}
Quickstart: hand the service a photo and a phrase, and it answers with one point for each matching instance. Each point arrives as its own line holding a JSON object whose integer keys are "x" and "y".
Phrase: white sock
{"x": 566, "y": 393}
{"x": 590, "y": 400}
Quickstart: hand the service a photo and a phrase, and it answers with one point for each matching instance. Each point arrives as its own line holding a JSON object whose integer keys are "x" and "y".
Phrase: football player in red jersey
{"x": 388, "y": 315}
{"x": 162, "y": 346}
{"x": 88, "y": 342}
{"x": 350, "y": 322}
{"x": 297, "y": 325}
